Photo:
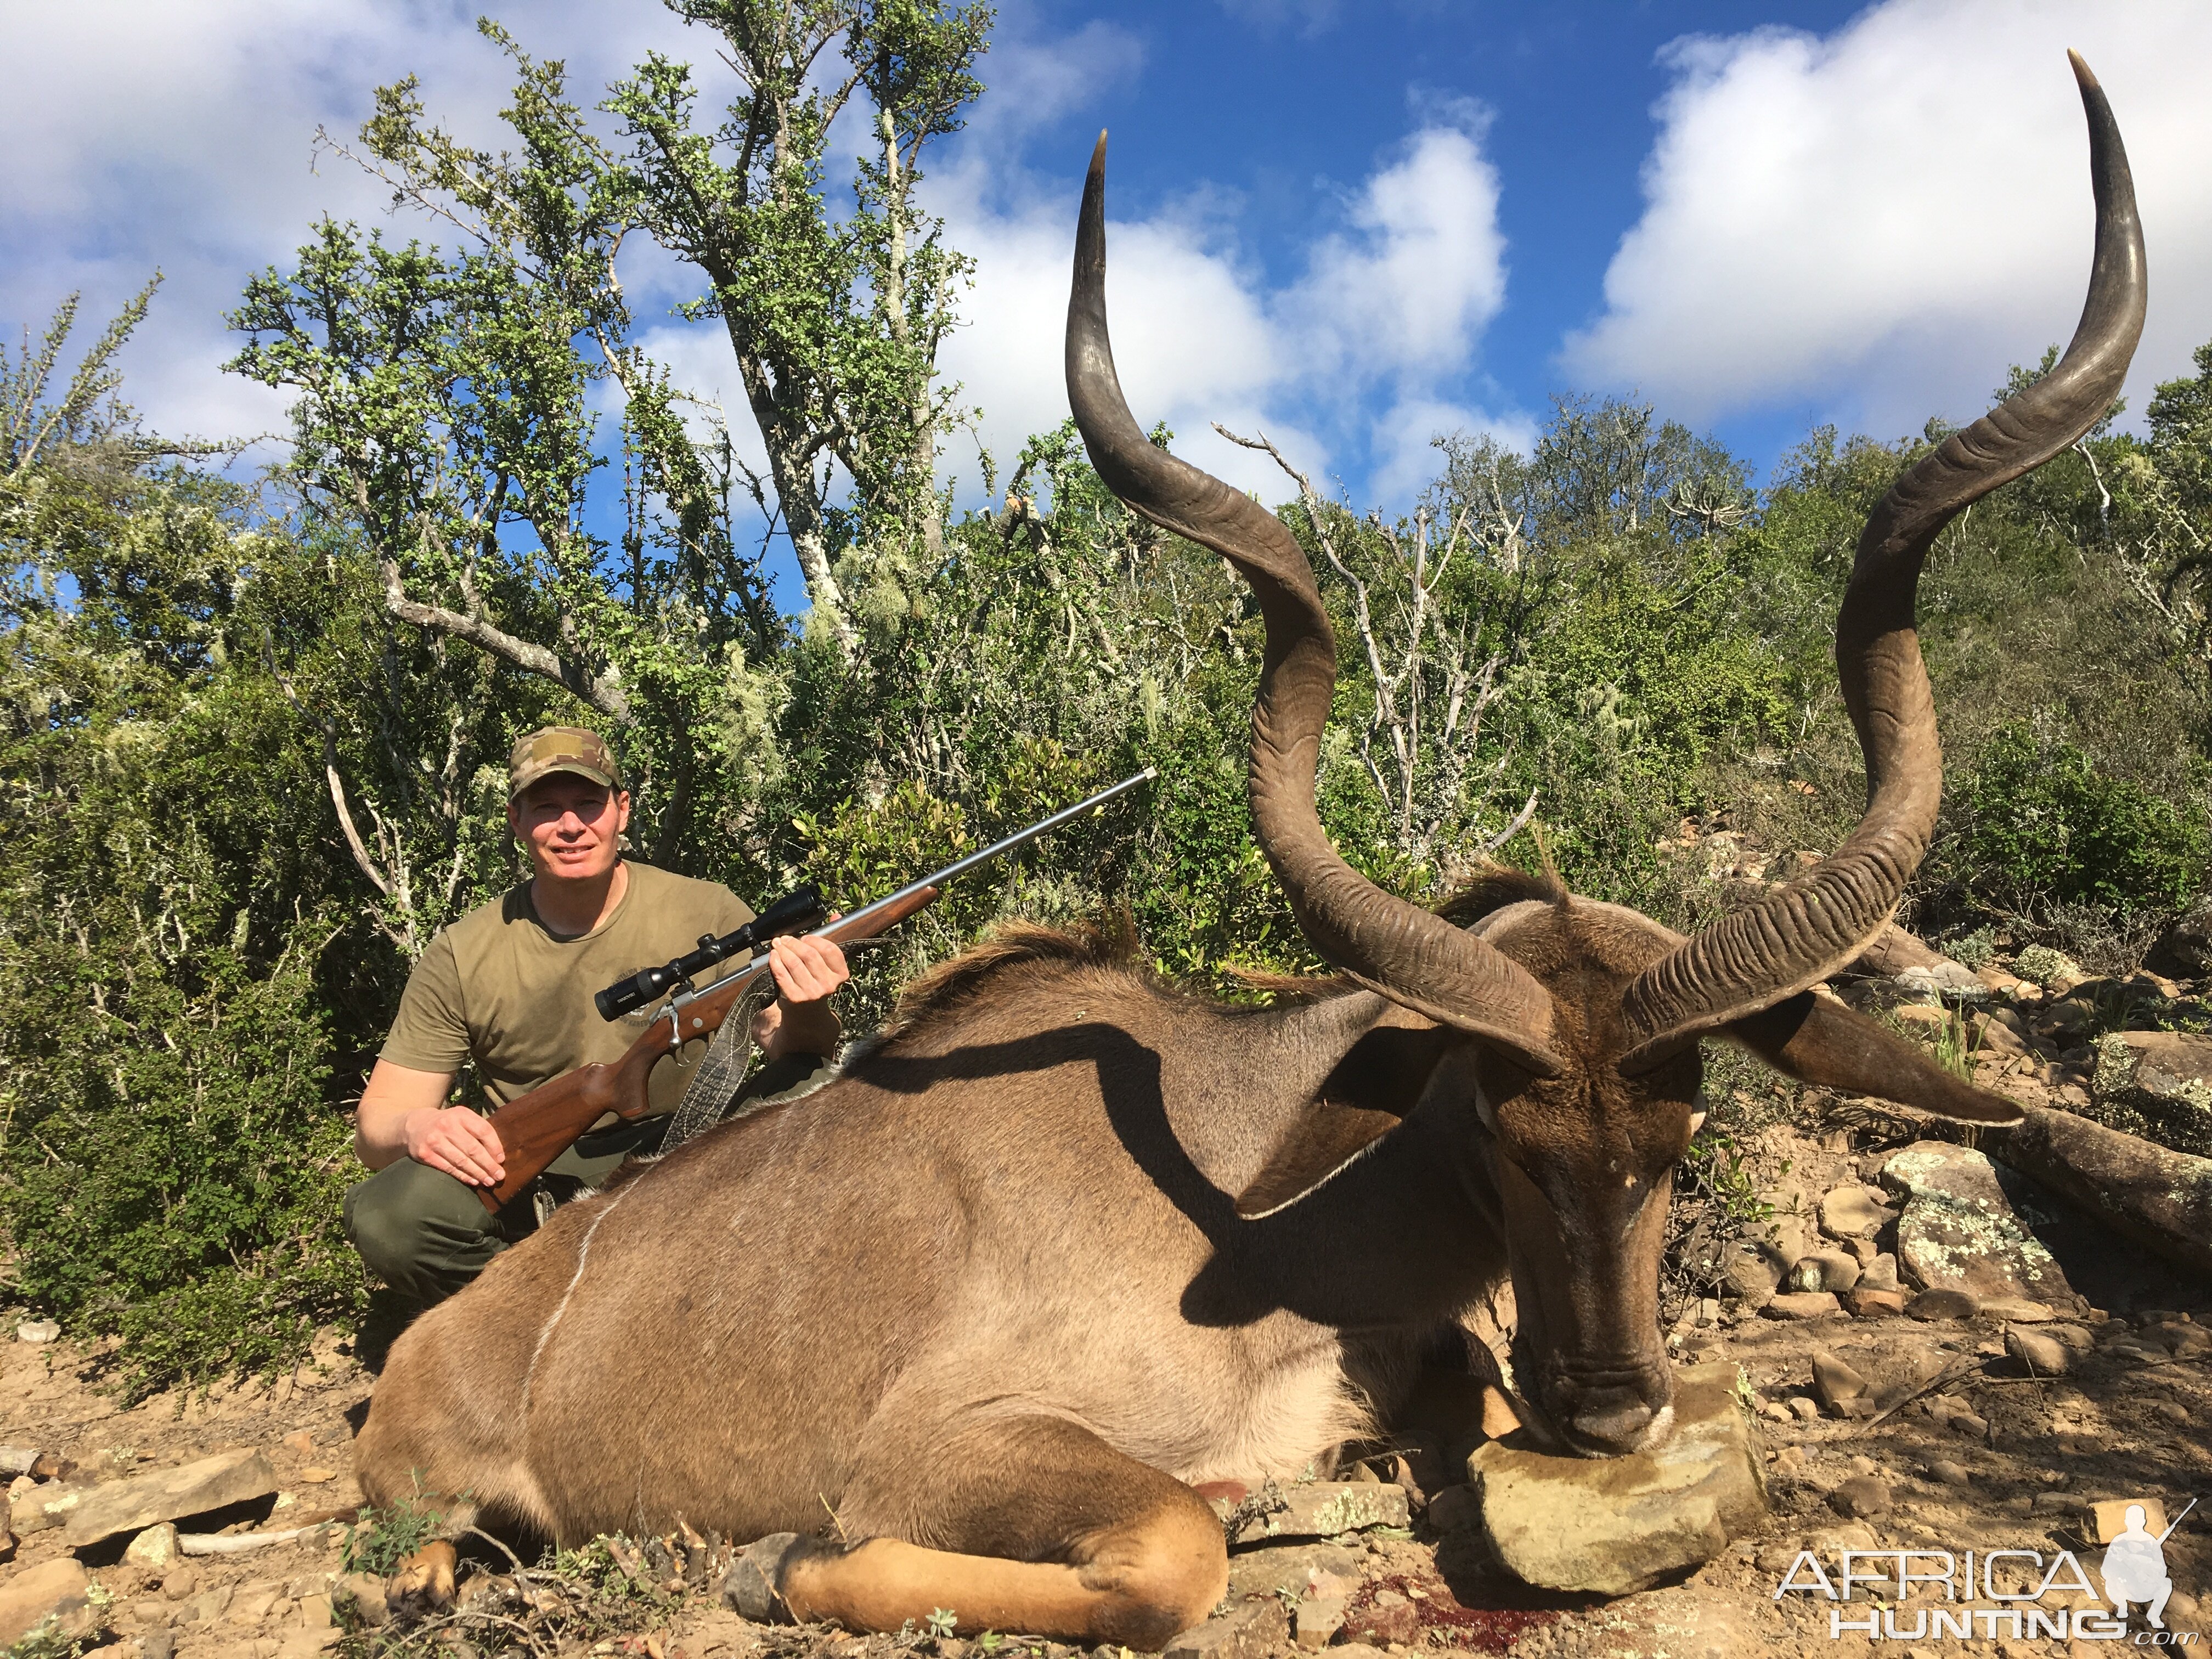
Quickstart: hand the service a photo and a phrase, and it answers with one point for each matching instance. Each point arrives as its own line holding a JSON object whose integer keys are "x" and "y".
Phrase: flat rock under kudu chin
{"x": 1611, "y": 1526}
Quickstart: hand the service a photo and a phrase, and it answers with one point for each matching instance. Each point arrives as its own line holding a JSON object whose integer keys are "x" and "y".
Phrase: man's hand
{"x": 459, "y": 1141}
{"x": 808, "y": 970}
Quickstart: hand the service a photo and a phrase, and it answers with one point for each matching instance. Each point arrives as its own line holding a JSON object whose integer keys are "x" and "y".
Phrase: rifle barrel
{"x": 854, "y": 926}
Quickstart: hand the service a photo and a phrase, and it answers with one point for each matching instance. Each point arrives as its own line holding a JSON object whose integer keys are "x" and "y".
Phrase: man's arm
{"x": 800, "y": 1021}
{"x": 403, "y": 1115}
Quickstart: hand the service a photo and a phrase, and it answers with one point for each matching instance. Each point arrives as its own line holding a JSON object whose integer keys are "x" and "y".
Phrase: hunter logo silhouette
{"x": 2134, "y": 1566}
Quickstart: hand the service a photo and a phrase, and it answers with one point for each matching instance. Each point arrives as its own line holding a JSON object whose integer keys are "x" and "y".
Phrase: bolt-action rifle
{"x": 536, "y": 1127}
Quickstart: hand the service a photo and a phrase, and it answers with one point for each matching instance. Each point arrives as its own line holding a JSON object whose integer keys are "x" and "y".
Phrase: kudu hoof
{"x": 749, "y": 1589}
{"x": 425, "y": 1582}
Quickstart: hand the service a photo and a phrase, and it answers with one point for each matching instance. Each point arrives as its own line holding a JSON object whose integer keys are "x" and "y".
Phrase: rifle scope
{"x": 799, "y": 911}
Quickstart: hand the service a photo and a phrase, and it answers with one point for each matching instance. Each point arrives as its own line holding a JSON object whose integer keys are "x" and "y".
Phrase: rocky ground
{"x": 1934, "y": 1355}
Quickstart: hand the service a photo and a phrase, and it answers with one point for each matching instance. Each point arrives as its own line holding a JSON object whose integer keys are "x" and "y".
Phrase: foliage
{"x": 379, "y": 1539}
{"x": 170, "y": 1167}
{"x": 2039, "y": 822}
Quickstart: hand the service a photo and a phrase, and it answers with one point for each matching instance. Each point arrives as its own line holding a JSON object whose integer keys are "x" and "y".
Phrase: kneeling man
{"x": 509, "y": 987}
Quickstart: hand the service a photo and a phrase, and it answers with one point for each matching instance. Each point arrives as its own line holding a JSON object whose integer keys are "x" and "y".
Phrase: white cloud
{"x": 1879, "y": 221}
{"x": 1392, "y": 307}
{"x": 1305, "y": 18}
{"x": 178, "y": 134}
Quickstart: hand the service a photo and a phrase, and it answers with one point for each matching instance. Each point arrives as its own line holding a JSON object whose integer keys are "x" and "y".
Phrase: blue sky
{"x": 1351, "y": 225}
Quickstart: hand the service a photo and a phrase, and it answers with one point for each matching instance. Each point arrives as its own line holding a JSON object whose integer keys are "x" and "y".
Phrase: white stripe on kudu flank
{"x": 583, "y": 1255}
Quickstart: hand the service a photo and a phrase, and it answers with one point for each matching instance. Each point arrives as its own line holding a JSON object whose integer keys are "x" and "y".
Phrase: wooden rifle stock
{"x": 536, "y": 1129}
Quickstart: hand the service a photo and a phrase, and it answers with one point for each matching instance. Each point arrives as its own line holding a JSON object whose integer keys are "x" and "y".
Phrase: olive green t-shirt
{"x": 498, "y": 988}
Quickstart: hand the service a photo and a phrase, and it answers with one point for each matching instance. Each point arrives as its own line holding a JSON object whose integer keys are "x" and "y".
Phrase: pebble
{"x": 1951, "y": 1473}
{"x": 1834, "y": 1381}
{"x": 2172, "y": 1410}
{"x": 1854, "y": 1212}
{"x": 1861, "y": 1497}
{"x": 1835, "y": 1270}
{"x": 1943, "y": 1304}
{"x": 37, "y": 1330}
{"x": 1870, "y": 1302}
{"x": 2042, "y": 1355}
{"x": 1803, "y": 1304}
{"x": 1802, "y": 1409}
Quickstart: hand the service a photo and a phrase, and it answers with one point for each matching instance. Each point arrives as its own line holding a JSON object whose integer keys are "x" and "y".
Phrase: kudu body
{"x": 1067, "y": 1240}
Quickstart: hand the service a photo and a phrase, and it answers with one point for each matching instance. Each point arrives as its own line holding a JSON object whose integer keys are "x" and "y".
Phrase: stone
{"x": 1294, "y": 1569}
{"x": 1802, "y": 1409}
{"x": 1319, "y": 1619}
{"x": 1880, "y": 1271}
{"x": 1951, "y": 1473}
{"x": 157, "y": 1644}
{"x": 153, "y": 1549}
{"x": 312, "y": 1476}
{"x": 37, "y": 1330}
{"x": 748, "y": 1590}
{"x": 1834, "y": 1381}
{"x": 1861, "y": 1497}
{"x": 1865, "y": 1304}
{"x": 1943, "y": 1304}
{"x": 1615, "y": 1525}
{"x": 2042, "y": 1355}
{"x": 300, "y": 1443}
{"x": 1320, "y": 1509}
{"x": 59, "y": 1590}
{"x": 1998, "y": 1032}
{"x": 2076, "y": 1337}
{"x": 1250, "y": 1632}
{"x": 212, "y": 1483}
{"x": 42, "y": 1507}
{"x": 18, "y": 1460}
{"x": 2179, "y": 1338}
{"x": 7, "y": 1543}
{"x": 2158, "y": 1085}
{"x": 1921, "y": 1016}
{"x": 361, "y": 1594}
{"x": 1455, "y": 1509}
{"x": 2019, "y": 1310}
{"x": 2103, "y": 1521}
{"x": 2184, "y": 949}
{"x": 1750, "y": 1275}
{"x": 1834, "y": 1271}
{"x": 1854, "y": 1212}
{"x": 1802, "y": 1304}
{"x": 1958, "y": 1231}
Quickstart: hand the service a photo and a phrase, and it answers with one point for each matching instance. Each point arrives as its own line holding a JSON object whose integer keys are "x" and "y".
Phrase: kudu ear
{"x": 1817, "y": 1041}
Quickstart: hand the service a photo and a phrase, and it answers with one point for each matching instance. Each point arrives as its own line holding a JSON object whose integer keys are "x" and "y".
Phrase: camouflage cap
{"x": 561, "y": 749}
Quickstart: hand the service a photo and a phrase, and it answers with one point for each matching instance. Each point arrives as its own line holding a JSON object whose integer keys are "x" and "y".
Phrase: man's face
{"x": 572, "y": 826}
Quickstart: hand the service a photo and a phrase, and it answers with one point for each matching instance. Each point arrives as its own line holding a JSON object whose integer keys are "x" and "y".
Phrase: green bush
{"x": 2041, "y": 823}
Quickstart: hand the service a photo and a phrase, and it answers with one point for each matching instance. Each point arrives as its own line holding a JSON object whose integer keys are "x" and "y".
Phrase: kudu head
{"x": 1582, "y": 1019}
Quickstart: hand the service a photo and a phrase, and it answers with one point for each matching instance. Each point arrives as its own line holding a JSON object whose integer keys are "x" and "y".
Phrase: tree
{"x": 834, "y": 324}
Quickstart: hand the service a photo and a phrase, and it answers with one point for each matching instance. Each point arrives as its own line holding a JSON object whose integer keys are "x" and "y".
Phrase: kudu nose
{"x": 1608, "y": 1422}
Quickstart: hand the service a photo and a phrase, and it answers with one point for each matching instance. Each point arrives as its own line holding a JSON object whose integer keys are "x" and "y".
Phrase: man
{"x": 509, "y": 987}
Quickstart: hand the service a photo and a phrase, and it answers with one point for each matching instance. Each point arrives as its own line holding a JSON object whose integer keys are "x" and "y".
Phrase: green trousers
{"x": 427, "y": 1234}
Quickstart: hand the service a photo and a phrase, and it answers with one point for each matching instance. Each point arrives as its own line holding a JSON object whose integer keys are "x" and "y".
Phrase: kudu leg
{"x": 1029, "y": 1524}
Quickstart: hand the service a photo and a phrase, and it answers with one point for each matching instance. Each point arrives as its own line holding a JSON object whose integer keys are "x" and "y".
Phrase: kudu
{"x": 1067, "y": 1240}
